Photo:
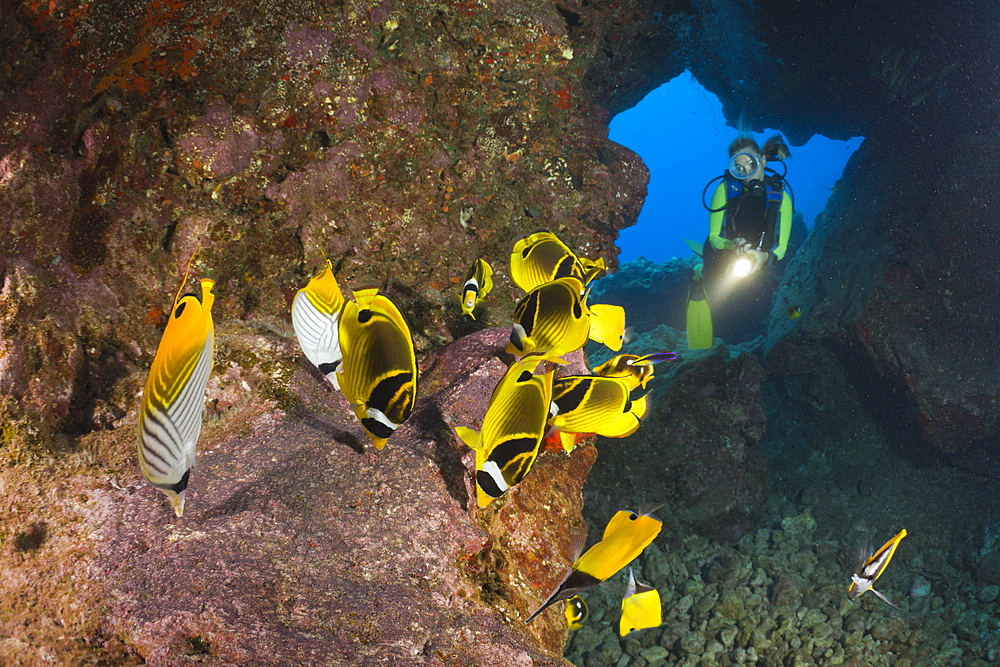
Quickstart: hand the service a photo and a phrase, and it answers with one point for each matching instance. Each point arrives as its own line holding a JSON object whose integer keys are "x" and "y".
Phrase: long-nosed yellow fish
{"x": 541, "y": 258}
{"x": 379, "y": 373}
{"x": 315, "y": 318}
{"x": 638, "y": 370}
{"x": 641, "y": 608}
{"x": 170, "y": 414}
{"x": 512, "y": 429}
{"x": 554, "y": 319}
{"x": 477, "y": 285}
{"x": 595, "y": 404}
{"x": 870, "y": 570}
{"x": 625, "y": 536}
{"x": 576, "y": 612}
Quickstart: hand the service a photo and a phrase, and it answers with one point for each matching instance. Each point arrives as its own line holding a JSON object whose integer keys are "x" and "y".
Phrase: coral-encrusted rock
{"x": 401, "y": 140}
{"x": 524, "y": 559}
{"x": 301, "y": 544}
{"x": 697, "y": 451}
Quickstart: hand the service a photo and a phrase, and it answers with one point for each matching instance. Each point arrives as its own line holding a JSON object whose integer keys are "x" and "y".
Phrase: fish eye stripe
{"x": 182, "y": 485}
{"x": 488, "y": 484}
{"x": 377, "y": 428}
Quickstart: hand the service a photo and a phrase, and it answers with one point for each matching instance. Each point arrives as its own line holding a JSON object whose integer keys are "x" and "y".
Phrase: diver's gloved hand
{"x": 759, "y": 258}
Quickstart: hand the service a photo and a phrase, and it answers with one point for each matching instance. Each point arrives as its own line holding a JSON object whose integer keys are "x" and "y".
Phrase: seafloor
{"x": 778, "y": 596}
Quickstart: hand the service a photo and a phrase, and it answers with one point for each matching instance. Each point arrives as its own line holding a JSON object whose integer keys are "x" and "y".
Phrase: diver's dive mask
{"x": 745, "y": 165}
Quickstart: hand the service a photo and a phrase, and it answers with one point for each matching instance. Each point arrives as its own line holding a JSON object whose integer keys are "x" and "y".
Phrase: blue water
{"x": 682, "y": 136}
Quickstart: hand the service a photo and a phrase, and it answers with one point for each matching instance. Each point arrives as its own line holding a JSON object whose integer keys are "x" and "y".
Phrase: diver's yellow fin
{"x": 698, "y": 248}
{"x": 699, "y": 318}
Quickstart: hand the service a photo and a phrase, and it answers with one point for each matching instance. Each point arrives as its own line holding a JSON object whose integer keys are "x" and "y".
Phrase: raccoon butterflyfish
{"x": 638, "y": 370}
{"x": 315, "y": 318}
{"x": 541, "y": 258}
{"x": 477, "y": 285}
{"x": 595, "y": 404}
{"x": 379, "y": 373}
{"x": 512, "y": 429}
{"x": 170, "y": 414}
{"x": 641, "y": 608}
{"x": 554, "y": 319}
{"x": 794, "y": 312}
{"x": 576, "y": 612}
{"x": 872, "y": 568}
{"x": 625, "y": 536}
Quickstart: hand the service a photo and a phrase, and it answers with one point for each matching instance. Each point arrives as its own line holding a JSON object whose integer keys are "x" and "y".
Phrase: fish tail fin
{"x": 568, "y": 441}
{"x": 607, "y": 325}
{"x": 470, "y": 437}
{"x": 177, "y": 502}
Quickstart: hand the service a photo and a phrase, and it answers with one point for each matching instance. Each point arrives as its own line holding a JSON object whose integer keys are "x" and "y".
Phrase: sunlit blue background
{"x": 682, "y": 136}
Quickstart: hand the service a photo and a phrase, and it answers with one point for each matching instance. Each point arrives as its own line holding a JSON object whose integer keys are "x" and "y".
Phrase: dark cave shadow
{"x": 889, "y": 405}
{"x": 254, "y": 495}
{"x": 428, "y": 422}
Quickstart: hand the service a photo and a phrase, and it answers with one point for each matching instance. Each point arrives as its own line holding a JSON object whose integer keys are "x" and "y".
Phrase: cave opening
{"x": 681, "y": 134}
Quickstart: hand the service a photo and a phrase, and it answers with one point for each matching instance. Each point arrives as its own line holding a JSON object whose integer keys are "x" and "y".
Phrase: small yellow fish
{"x": 625, "y": 537}
{"x": 512, "y": 429}
{"x": 316, "y": 320}
{"x": 379, "y": 373}
{"x": 595, "y": 404}
{"x": 170, "y": 414}
{"x": 477, "y": 285}
{"x": 541, "y": 258}
{"x": 641, "y": 608}
{"x": 794, "y": 312}
{"x": 576, "y": 612}
{"x": 553, "y": 319}
{"x": 870, "y": 570}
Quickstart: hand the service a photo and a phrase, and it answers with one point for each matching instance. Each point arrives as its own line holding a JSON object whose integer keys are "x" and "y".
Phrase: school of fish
{"x": 363, "y": 346}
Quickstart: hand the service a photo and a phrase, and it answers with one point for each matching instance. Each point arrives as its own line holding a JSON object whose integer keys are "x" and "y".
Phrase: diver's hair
{"x": 742, "y": 143}
{"x": 774, "y": 148}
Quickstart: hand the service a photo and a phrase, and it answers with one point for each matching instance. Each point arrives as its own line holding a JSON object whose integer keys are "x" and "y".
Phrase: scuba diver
{"x": 750, "y": 220}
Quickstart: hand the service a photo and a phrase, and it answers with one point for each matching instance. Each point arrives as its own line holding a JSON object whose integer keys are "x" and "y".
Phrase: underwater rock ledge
{"x": 300, "y": 544}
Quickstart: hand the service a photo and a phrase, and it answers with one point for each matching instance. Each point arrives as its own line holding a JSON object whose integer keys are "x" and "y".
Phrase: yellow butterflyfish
{"x": 596, "y": 404}
{"x": 171, "y": 410}
{"x": 316, "y": 320}
{"x": 512, "y": 430}
{"x": 553, "y": 319}
{"x": 872, "y": 568}
{"x": 625, "y": 537}
{"x": 641, "y": 607}
{"x": 379, "y": 371}
{"x": 477, "y": 285}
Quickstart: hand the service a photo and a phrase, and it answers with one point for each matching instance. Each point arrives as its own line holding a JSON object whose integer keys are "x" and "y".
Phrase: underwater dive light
{"x": 742, "y": 267}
